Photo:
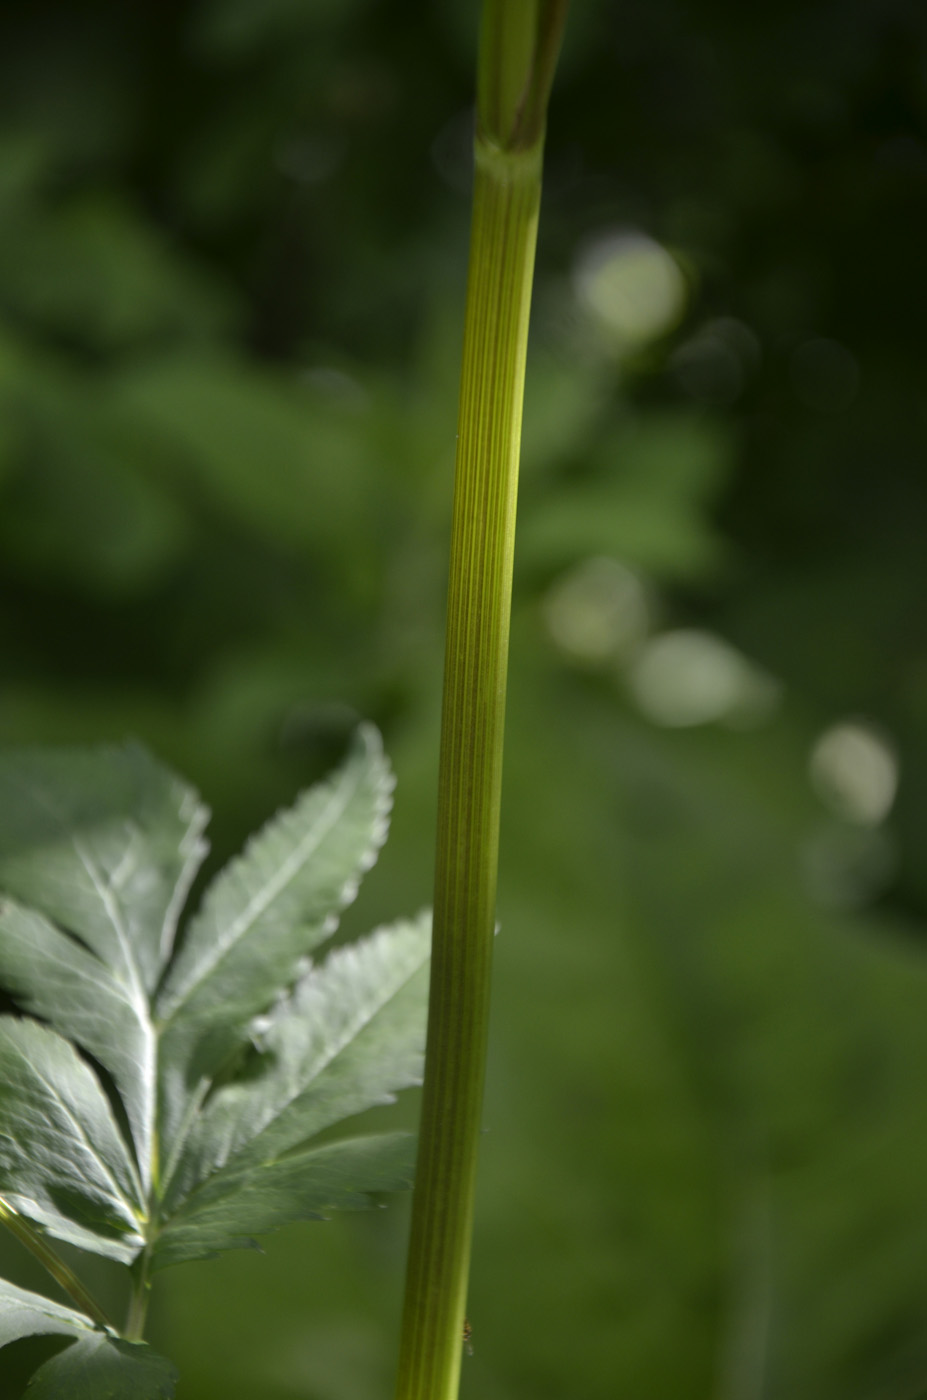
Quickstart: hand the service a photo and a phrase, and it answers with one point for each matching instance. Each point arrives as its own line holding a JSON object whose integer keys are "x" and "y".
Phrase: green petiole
{"x": 34, "y": 1241}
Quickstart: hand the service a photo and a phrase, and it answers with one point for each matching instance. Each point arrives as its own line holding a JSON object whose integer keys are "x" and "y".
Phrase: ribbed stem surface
{"x": 518, "y": 51}
{"x": 505, "y": 210}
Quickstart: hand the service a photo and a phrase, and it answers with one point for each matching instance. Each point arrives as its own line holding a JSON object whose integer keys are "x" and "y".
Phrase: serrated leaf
{"x": 55, "y": 977}
{"x": 262, "y": 915}
{"x": 328, "y": 1041}
{"x": 105, "y": 843}
{"x": 232, "y": 1208}
{"x": 63, "y": 1161}
{"x": 350, "y": 1035}
{"x": 97, "y": 1366}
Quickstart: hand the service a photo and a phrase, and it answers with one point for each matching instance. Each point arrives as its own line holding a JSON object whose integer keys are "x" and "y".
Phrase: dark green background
{"x": 232, "y": 253}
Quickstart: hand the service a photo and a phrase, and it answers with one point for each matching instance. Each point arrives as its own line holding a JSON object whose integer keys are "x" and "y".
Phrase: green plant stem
{"x": 516, "y": 38}
{"x": 138, "y": 1301}
{"x": 66, "y": 1279}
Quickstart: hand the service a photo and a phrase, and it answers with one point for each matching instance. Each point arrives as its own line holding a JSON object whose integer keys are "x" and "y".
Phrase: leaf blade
{"x": 339, "y": 1176}
{"x": 54, "y": 977}
{"x": 104, "y": 842}
{"x": 63, "y": 1162}
{"x": 348, "y": 1038}
{"x": 97, "y": 1364}
{"x": 262, "y": 915}
{"x": 27, "y": 1314}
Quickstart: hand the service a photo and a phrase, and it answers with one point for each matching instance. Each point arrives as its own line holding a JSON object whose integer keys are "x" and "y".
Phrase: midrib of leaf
{"x": 256, "y": 906}
{"x": 351, "y": 1031}
{"x": 143, "y": 1154}
{"x": 260, "y": 901}
{"x": 130, "y": 1206}
{"x": 138, "y": 1000}
{"x": 103, "y": 888}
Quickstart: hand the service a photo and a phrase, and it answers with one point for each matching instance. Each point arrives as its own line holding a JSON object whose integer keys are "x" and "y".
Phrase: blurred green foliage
{"x": 232, "y": 248}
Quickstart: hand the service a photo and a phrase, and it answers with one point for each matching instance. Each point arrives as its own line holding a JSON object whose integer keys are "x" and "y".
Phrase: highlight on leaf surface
{"x": 161, "y": 1089}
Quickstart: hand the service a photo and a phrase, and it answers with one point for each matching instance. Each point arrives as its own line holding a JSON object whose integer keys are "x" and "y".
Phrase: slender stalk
{"x": 66, "y": 1279}
{"x": 519, "y": 43}
{"x": 138, "y": 1301}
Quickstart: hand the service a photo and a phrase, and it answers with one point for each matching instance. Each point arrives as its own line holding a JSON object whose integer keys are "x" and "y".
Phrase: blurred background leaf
{"x": 232, "y": 256}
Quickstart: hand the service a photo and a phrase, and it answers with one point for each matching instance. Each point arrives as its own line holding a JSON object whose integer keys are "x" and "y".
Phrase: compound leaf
{"x": 168, "y": 1101}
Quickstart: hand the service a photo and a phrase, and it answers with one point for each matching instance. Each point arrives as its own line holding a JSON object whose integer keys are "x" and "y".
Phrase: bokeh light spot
{"x": 631, "y": 286}
{"x": 597, "y": 612}
{"x": 855, "y": 772}
{"x": 690, "y": 677}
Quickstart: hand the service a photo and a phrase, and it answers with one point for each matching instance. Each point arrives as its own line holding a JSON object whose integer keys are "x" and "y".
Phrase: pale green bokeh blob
{"x": 689, "y": 677}
{"x": 855, "y": 772}
{"x": 631, "y": 286}
{"x": 597, "y": 611}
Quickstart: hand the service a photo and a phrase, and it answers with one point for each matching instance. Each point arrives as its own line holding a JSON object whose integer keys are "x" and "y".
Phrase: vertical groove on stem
{"x": 139, "y": 1298}
{"x": 518, "y": 51}
{"x": 505, "y": 210}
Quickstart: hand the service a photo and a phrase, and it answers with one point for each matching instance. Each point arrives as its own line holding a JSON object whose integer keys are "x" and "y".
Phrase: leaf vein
{"x": 81, "y": 1135}
{"x": 263, "y": 898}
